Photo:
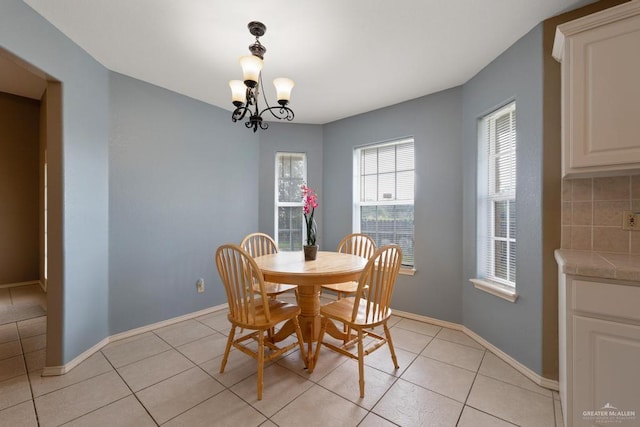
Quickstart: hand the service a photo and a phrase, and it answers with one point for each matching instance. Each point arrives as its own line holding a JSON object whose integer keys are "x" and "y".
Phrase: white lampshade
{"x": 238, "y": 91}
{"x": 251, "y": 66}
{"x": 283, "y": 88}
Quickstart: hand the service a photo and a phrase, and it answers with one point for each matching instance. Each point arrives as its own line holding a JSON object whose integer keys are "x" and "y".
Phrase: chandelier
{"x": 244, "y": 94}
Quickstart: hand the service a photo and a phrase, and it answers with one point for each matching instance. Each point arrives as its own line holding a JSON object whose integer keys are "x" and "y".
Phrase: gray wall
{"x": 293, "y": 138}
{"x": 167, "y": 179}
{"x": 180, "y": 174}
{"x": 445, "y": 129}
{"x": 516, "y": 74}
{"x": 83, "y": 306}
{"x": 182, "y": 181}
{"x": 434, "y": 122}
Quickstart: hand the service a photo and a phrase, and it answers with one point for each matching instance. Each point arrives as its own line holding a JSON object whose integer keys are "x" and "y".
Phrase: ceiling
{"x": 346, "y": 57}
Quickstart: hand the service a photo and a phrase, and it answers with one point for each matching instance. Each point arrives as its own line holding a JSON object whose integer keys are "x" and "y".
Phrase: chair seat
{"x": 346, "y": 287}
{"x": 342, "y": 309}
{"x": 279, "y": 311}
{"x": 277, "y": 288}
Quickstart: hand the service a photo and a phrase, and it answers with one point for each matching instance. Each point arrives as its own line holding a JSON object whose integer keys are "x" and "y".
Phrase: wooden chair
{"x": 253, "y": 310}
{"x": 355, "y": 244}
{"x": 258, "y": 244}
{"x": 367, "y": 309}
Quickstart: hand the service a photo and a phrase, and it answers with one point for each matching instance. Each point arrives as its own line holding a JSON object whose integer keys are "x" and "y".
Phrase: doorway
{"x": 39, "y": 286}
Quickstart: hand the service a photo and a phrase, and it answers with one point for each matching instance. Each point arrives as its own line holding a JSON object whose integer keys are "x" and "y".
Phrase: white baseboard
{"x": 61, "y": 370}
{"x": 539, "y": 380}
{"x": 147, "y": 328}
{"x": 51, "y": 371}
{"x": 15, "y": 285}
{"x": 437, "y": 322}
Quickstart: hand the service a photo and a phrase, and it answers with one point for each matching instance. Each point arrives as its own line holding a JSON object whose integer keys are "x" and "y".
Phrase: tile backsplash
{"x": 592, "y": 213}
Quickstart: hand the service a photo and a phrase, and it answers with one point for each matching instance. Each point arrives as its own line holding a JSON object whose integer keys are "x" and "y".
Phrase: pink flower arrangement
{"x": 310, "y": 200}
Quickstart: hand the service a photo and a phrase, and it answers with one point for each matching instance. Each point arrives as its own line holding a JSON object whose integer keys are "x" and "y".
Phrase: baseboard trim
{"x": 15, "y": 285}
{"x": 48, "y": 371}
{"x": 52, "y": 371}
{"x": 433, "y": 321}
{"x": 539, "y": 380}
{"x": 163, "y": 323}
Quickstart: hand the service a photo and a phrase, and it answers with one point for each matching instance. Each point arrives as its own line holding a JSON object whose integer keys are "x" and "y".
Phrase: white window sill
{"x": 407, "y": 271}
{"x": 495, "y": 289}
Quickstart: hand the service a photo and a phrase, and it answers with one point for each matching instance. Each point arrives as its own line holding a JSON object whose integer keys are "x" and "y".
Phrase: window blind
{"x": 501, "y": 248}
{"x": 384, "y": 194}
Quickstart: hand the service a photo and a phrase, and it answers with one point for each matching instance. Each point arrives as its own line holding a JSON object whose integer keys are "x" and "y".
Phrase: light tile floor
{"x": 170, "y": 377}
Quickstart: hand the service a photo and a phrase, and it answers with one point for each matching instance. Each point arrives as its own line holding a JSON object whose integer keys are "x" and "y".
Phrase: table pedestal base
{"x": 309, "y": 318}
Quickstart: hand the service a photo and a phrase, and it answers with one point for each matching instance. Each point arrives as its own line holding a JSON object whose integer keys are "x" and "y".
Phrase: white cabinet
{"x": 600, "y": 56}
{"x": 599, "y": 329}
{"x": 606, "y": 365}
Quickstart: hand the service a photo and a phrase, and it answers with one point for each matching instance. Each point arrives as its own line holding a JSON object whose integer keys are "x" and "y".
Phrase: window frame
{"x": 485, "y": 203}
{"x": 277, "y": 203}
{"x": 358, "y": 204}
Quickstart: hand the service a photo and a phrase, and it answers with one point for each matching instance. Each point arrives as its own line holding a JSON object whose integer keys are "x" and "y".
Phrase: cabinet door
{"x": 606, "y": 362}
{"x": 601, "y": 92}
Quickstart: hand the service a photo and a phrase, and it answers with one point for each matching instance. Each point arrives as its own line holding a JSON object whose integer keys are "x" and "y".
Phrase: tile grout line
{"x": 304, "y": 392}
{"x": 195, "y": 365}
{"x": 171, "y": 347}
{"x": 24, "y": 364}
{"x": 314, "y": 382}
{"x": 130, "y": 389}
{"x": 26, "y": 373}
{"x": 87, "y": 379}
{"x": 498, "y": 380}
{"x": 464, "y": 404}
{"x": 396, "y": 378}
{"x": 26, "y": 369}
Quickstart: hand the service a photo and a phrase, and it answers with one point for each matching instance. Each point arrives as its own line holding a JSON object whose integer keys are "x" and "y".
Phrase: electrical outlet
{"x": 631, "y": 220}
{"x": 200, "y": 286}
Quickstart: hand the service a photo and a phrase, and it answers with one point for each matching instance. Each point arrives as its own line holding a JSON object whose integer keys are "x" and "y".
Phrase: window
{"x": 291, "y": 173}
{"x": 497, "y": 199}
{"x": 383, "y": 194}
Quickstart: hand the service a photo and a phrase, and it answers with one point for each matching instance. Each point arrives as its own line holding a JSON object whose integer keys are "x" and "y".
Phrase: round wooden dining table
{"x": 327, "y": 268}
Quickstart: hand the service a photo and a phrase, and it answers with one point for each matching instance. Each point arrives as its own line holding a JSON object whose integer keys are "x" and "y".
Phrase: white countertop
{"x": 603, "y": 265}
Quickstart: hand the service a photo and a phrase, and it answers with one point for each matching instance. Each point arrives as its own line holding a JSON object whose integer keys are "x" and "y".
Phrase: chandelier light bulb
{"x": 251, "y": 67}
{"x": 238, "y": 92}
{"x": 283, "y": 88}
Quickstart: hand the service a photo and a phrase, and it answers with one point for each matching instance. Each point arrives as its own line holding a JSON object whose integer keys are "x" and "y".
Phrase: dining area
{"x": 274, "y": 356}
{"x": 147, "y": 181}
{"x": 255, "y": 274}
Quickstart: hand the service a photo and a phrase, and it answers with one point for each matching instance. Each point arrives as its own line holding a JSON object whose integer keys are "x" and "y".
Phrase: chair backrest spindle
{"x": 357, "y": 244}
{"x": 258, "y": 244}
{"x": 240, "y": 274}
